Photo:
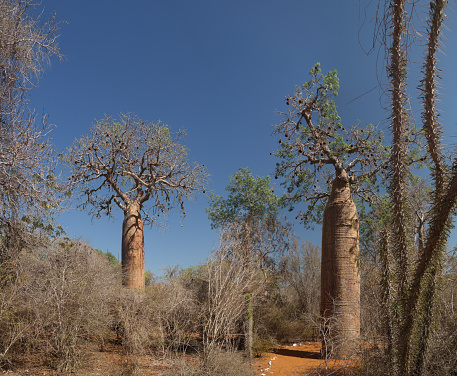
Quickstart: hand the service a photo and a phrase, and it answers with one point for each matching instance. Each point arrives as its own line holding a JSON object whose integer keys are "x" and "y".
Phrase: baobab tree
{"x": 139, "y": 167}
{"x": 325, "y": 164}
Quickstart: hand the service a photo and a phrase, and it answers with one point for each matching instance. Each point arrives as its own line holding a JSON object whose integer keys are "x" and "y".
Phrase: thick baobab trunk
{"x": 340, "y": 277}
{"x": 133, "y": 248}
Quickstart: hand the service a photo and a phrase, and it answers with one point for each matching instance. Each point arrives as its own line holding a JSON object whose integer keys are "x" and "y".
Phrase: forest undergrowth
{"x": 63, "y": 307}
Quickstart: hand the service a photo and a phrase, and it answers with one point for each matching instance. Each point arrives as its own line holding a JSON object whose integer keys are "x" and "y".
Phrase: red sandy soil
{"x": 301, "y": 359}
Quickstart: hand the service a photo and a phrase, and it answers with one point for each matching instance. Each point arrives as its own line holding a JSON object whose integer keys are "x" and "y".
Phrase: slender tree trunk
{"x": 248, "y": 256}
{"x": 340, "y": 276}
{"x": 401, "y": 240}
{"x": 250, "y": 327}
{"x": 133, "y": 248}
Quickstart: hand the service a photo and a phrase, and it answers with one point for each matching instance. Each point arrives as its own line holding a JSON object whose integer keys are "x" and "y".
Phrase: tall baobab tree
{"x": 143, "y": 169}
{"x": 325, "y": 163}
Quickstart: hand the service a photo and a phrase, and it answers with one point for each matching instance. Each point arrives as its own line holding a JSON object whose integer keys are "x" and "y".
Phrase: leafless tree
{"x": 27, "y": 180}
{"x": 27, "y": 44}
{"x": 300, "y": 269}
{"x": 140, "y": 167}
{"x": 232, "y": 285}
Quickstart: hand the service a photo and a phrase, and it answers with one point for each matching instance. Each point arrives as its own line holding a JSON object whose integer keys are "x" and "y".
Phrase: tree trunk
{"x": 250, "y": 327}
{"x": 133, "y": 248}
{"x": 340, "y": 276}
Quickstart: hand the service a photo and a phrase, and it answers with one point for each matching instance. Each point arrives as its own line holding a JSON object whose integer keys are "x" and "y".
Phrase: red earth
{"x": 292, "y": 360}
{"x": 301, "y": 359}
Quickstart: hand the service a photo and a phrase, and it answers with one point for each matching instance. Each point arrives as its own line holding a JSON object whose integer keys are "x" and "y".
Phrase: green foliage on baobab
{"x": 315, "y": 147}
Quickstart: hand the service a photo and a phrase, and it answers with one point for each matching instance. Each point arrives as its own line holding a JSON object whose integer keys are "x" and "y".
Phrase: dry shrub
{"x": 164, "y": 317}
{"x": 66, "y": 294}
{"x": 174, "y": 313}
{"x": 442, "y": 345}
{"x": 372, "y": 318}
{"x": 13, "y": 326}
{"x": 292, "y": 297}
{"x": 15, "y": 323}
{"x": 133, "y": 321}
{"x": 276, "y": 321}
{"x": 442, "y": 358}
{"x": 226, "y": 363}
{"x": 300, "y": 270}
{"x": 126, "y": 367}
{"x": 374, "y": 361}
{"x": 262, "y": 346}
{"x": 218, "y": 363}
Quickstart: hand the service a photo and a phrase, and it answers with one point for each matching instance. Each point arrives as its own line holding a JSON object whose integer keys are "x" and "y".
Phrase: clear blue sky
{"x": 219, "y": 69}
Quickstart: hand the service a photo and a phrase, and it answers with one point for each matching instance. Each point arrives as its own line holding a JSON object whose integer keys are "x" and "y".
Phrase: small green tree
{"x": 253, "y": 206}
{"x": 251, "y": 212}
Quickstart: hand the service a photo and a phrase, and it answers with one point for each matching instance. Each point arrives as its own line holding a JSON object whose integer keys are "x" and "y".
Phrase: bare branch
{"x": 141, "y": 162}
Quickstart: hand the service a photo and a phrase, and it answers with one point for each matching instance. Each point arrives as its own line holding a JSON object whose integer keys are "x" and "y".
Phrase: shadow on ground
{"x": 298, "y": 353}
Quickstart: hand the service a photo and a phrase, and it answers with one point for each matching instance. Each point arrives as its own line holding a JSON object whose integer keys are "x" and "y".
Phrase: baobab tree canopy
{"x": 140, "y": 167}
{"x": 315, "y": 147}
{"x": 128, "y": 160}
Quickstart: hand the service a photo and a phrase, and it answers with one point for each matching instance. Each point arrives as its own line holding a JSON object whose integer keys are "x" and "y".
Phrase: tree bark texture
{"x": 340, "y": 276}
{"x": 250, "y": 327}
{"x": 133, "y": 248}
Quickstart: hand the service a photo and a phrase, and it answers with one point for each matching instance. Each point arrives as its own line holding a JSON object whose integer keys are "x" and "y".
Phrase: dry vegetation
{"x": 62, "y": 301}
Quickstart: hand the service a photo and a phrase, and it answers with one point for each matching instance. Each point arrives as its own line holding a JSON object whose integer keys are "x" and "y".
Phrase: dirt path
{"x": 299, "y": 359}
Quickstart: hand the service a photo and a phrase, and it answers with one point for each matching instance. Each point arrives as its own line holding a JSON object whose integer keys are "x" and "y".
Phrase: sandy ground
{"x": 300, "y": 359}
